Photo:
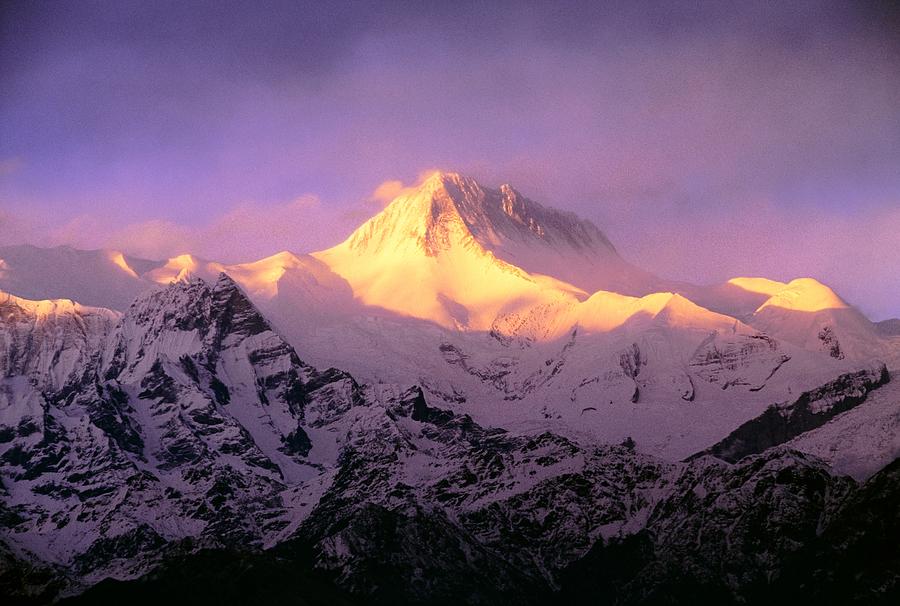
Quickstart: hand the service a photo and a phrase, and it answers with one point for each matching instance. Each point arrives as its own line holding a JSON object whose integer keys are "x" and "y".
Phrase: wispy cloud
{"x": 245, "y": 232}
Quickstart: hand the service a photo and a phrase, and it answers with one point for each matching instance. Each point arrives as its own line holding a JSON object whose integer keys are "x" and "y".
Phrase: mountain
{"x": 193, "y": 437}
{"x": 195, "y": 429}
{"x": 188, "y": 419}
{"x": 466, "y": 258}
{"x": 482, "y": 296}
{"x": 487, "y": 300}
{"x": 889, "y": 328}
{"x": 458, "y": 254}
{"x": 520, "y": 416}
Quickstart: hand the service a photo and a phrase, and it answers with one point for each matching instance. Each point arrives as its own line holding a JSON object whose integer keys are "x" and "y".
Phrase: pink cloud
{"x": 247, "y": 231}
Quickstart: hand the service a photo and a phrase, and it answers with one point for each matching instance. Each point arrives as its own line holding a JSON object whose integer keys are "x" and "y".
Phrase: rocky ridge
{"x": 191, "y": 429}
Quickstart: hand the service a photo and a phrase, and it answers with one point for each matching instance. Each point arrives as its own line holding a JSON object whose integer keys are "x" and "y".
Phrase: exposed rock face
{"x": 782, "y": 422}
{"x": 189, "y": 423}
{"x": 856, "y": 558}
{"x": 519, "y": 507}
{"x": 831, "y": 343}
{"x": 776, "y": 529}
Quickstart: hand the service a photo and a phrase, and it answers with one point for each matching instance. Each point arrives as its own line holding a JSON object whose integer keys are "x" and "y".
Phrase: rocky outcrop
{"x": 783, "y": 422}
{"x": 189, "y": 422}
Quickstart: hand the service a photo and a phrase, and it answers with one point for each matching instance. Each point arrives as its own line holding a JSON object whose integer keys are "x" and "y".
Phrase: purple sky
{"x": 709, "y": 141}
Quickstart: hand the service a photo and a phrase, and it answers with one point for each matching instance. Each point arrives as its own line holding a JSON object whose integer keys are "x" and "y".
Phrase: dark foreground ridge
{"x": 853, "y": 560}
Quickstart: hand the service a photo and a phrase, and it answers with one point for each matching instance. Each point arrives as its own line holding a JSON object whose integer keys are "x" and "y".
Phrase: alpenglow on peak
{"x": 449, "y": 208}
{"x": 451, "y": 250}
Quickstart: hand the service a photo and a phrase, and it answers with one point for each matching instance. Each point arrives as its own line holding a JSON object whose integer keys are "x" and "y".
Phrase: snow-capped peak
{"x": 49, "y": 307}
{"x": 457, "y": 253}
{"x": 449, "y": 208}
{"x": 182, "y": 268}
{"x": 805, "y": 294}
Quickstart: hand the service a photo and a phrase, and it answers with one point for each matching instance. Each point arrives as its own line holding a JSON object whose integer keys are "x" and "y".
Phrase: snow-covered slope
{"x": 862, "y": 441}
{"x": 189, "y": 424}
{"x": 488, "y": 300}
{"x": 500, "y": 231}
{"x": 809, "y": 314}
{"x": 804, "y": 312}
{"x": 50, "y": 342}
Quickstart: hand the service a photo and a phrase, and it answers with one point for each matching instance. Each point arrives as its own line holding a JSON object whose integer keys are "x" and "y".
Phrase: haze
{"x": 707, "y": 142}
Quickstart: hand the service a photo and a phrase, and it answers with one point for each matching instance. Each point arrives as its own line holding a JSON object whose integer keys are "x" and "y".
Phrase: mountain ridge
{"x": 422, "y": 294}
{"x": 194, "y": 426}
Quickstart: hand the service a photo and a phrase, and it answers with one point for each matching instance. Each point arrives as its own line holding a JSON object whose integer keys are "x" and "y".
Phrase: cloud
{"x": 384, "y": 194}
{"x": 247, "y": 231}
{"x": 15, "y": 228}
{"x": 388, "y": 190}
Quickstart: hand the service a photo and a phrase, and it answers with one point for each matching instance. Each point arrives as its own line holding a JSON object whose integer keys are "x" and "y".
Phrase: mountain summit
{"x": 451, "y": 210}
{"x": 457, "y": 253}
{"x": 450, "y": 205}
